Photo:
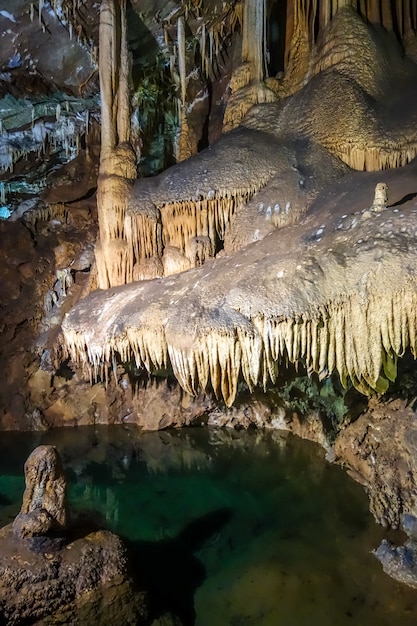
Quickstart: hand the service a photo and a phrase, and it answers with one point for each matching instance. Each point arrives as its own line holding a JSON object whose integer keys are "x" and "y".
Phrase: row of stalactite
{"x": 64, "y": 134}
{"x": 67, "y": 12}
{"x": 359, "y": 342}
{"x": 314, "y": 15}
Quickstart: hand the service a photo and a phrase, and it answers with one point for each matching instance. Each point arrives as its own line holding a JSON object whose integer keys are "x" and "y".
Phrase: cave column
{"x": 117, "y": 160}
{"x": 254, "y": 37}
{"x": 186, "y": 147}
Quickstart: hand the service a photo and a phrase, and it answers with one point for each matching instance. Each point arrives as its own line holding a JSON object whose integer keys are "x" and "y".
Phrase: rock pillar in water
{"x": 44, "y": 508}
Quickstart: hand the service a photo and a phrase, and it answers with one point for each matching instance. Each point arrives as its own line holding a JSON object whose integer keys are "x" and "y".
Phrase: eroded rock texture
{"x": 44, "y": 507}
{"x": 380, "y": 448}
{"x": 64, "y": 575}
{"x": 83, "y": 583}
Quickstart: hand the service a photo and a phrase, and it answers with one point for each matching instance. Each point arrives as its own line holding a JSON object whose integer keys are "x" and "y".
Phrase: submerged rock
{"x": 399, "y": 562}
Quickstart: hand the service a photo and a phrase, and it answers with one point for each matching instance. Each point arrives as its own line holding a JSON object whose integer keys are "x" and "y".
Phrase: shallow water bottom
{"x": 230, "y": 528}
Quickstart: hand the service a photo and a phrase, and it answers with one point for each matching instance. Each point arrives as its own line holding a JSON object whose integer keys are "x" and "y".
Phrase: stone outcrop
{"x": 85, "y": 582}
{"x": 380, "y": 450}
{"x": 56, "y": 573}
{"x": 399, "y": 562}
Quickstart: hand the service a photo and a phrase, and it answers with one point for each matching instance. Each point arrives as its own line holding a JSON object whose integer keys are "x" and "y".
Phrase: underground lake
{"x": 229, "y": 527}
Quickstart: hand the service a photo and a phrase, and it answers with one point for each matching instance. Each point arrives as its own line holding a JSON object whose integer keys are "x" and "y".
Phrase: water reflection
{"x": 227, "y": 527}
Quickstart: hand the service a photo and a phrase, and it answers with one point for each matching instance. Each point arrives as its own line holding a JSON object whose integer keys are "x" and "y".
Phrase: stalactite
{"x": 386, "y": 14}
{"x": 181, "y": 56}
{"x": 106, "y": 63}
{"x": 373, "y": 11}
{"x": 203, "y": 53}
{"x": 358, "y": 341}
{"x": 400, "y": 20}
{"x": 185, "y": 146}
{"x": 375, "y": 158}
{"x": 123, "y": 96}
{"x": 407, "y": 18}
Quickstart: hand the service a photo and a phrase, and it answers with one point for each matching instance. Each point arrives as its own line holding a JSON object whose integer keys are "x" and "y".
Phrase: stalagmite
{"x": 246, "y": 86}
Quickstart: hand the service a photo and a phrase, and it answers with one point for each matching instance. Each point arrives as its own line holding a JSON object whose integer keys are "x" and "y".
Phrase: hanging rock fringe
{"x": 360, "y": 341}
{"x": 373, "y": 159}
{"x": 47, "y": 212}
{"x": 181, "y": 221}
{"x": 168, "y": 231}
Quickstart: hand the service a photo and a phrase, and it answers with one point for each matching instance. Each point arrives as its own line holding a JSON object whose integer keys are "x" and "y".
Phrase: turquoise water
{"x": 230, "y": 528}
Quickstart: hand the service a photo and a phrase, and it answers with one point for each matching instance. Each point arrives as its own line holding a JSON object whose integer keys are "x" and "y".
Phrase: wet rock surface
{"x": 53, "y": 573}
{"x": 380, "y": 449}
{"x": 89, "y": 573}
{"x": 399, "y": 562}
{"x": 44, "y": 507}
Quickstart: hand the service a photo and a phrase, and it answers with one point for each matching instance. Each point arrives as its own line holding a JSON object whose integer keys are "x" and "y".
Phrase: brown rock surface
{"x": 380, "y": 448}
{"x": 83, "y": 583}
{"x": 56, "y": 574}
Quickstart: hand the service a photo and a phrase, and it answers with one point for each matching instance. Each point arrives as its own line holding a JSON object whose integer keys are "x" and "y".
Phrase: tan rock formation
{"x": 316, "y": 291}
{"x": 44, "y": 506}
{"x": 333, "y": 291}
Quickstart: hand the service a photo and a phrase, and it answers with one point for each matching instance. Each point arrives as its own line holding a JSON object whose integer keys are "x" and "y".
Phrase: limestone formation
{"x": 399, "y": 562}
{"x": 44, "y": 507}
{"x": 379, "y": 449}
{"x": 343, "y": 106}
{"x": 333, "y": 292}
{"x": 381, "y": 197}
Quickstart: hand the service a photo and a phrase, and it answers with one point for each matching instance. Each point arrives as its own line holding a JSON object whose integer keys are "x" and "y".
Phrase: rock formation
{"x": 49, "y": 570}
{"x": 316, "y": 312}
{"x": 44, "y": 507}
{"x": 379, "y": 450}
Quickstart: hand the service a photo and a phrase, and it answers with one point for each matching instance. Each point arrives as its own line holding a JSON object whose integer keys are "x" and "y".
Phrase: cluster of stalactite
{"x": 58, "y": 211}
{"x": 308, "y": 19}
{"x": 73, "y": 14}
{"x": 153, "y": 239}
{"x": 174, "y": 236}
{"x": 43, "y": 135}
{"x": 375, "y": 158}
{"x": 315, "y": 15}
{"x": 359, "y": 341}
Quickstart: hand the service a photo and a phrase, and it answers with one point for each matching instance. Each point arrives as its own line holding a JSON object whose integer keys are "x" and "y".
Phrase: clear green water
{"x": 244, "y": 528}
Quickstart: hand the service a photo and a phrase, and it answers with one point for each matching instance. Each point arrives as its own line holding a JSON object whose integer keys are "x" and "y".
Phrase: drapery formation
{"x": 336, "y": 293}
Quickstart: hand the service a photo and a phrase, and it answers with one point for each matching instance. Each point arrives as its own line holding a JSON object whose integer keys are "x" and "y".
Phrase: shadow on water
{"x": 4, "y": 500}
{"x": 170, "y": 571}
